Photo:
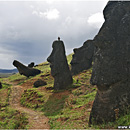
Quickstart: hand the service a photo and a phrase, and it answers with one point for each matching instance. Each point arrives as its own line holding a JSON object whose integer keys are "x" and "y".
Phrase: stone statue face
{"x": 111, "y": 68}
{"x": 82, "y": 57}
{"x": 78, "y": 57}
{"x": 112, "y": 54}
{"x": 15, "y": 63}
{"x": 56, "y": 58}
{"x": 59, "y": 66}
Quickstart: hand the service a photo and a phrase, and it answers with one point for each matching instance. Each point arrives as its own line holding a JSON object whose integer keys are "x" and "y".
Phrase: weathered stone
{"x": 0, "y": 85}
{"x": 24, "y": 70}
{"x": 111, "y": 69}
{"x": 31, "y": 65}
{"x": 39, "y": 83}
{"x": 59, "y": 66}
{"x": 82, "y": 58}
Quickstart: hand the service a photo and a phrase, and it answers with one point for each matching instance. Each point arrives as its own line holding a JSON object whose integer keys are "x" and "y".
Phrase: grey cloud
{"x": 26, "y": 36}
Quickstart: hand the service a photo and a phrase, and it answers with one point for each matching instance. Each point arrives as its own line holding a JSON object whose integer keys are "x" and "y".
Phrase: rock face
{"x": 111, "y": 69}
{"x": 59, "y": 66}
{"x": 82, "y": 58}
{"x": 24, "y": 70}
{"x": 0, "y": 85}
{"x": 39, "y": 83}
{"x": 31, "y": 65}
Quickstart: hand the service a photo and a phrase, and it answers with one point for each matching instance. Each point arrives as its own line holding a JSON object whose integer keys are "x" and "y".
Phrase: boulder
{"x": 39, "y": 83}
{"x": 82, "y": 57}
{"x": 111, "y": 68}
{"x": 24, "y": 70}
{"x": 59, "y": 66}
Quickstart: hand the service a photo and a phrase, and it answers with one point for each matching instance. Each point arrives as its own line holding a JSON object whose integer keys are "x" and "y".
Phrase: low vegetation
{"x": 5, "y": 75}
{"x": 66, "y": 109}
{"x": 9, "y": 118}
{"x": 12, "y": 119}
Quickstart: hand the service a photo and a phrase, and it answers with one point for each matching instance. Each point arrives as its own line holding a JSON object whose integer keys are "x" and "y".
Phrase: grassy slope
{"x": 9, "y": 118}
{"x": 68, "y": 109}
{"x": 5, "y": 75}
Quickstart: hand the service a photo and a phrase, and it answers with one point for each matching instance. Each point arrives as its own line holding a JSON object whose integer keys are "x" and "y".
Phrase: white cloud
{"x": 68, "y": 20}
{"x": 7, "y": 57}
{"x": 49, "y": 1}
{"x": 51, "y": 14}
{"x": 96, "y": 19}
{"x": 31, "y": 6}
{"x": 35, "y": 12}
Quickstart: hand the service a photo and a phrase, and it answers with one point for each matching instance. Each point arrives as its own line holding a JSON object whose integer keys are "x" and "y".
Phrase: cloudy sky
{"x": 27, "y": 29}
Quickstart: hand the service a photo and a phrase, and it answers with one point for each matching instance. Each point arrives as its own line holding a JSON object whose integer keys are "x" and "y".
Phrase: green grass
{"x": 12, "y": 119}
{"x": 9, "y": 118}
{"x": 69, "y": 58}
{"x": 59, "y": 105}
{"x": 32, "y": 98}
{"x": 66, "y": 109}
{"x": 5, "y": 75}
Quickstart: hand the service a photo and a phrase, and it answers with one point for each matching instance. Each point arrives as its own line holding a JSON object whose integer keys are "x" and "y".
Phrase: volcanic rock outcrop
{"x": 24, "y": 70}
{"x": 82, "y": 57}
{"x": 59, "y": 66}
{"x": 111, "y": 69}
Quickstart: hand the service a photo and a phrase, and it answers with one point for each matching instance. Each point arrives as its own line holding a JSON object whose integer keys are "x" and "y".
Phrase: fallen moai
{"x": 31, "y": 65}
{"x": 24, "y": 70}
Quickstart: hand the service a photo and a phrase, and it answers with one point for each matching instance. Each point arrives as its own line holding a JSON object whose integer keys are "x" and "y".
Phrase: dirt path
{"x": 36, "y": 119}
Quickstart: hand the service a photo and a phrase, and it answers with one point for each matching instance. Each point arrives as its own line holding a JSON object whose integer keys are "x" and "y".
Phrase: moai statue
{"x": 31, "y": 65}
{"x": 111, "y": 68}
{"x": 0, "y": 85}
{"x": 59, "y": 66}
{"x": 24, "y": 70}
{"x": 82, "y": 57}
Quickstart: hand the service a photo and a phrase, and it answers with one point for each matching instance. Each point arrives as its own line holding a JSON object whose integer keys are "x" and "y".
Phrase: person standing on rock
{"x": 59, "y": 66}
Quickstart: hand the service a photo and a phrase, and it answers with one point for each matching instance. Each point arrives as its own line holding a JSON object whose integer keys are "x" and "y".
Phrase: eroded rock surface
{"x": 59, "y": 66}
{"x": 82, "y": 57}
{"x": 111, "y": 69}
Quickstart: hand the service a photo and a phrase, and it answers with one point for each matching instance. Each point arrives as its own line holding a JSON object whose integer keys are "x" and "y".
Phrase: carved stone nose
{"x": 48, "y": 59}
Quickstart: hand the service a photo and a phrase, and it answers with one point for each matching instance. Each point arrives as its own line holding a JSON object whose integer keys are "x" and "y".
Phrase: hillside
{"x": 23, "y": 106}
{"x": 4, "y": 73}
{"x": 8, "y": 71}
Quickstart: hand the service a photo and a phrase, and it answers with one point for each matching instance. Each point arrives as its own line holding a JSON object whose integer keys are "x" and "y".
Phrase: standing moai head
{"x": 82, "y": 57}
{"x": 111, "y": 68}
{"x": 59, "y": 66}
